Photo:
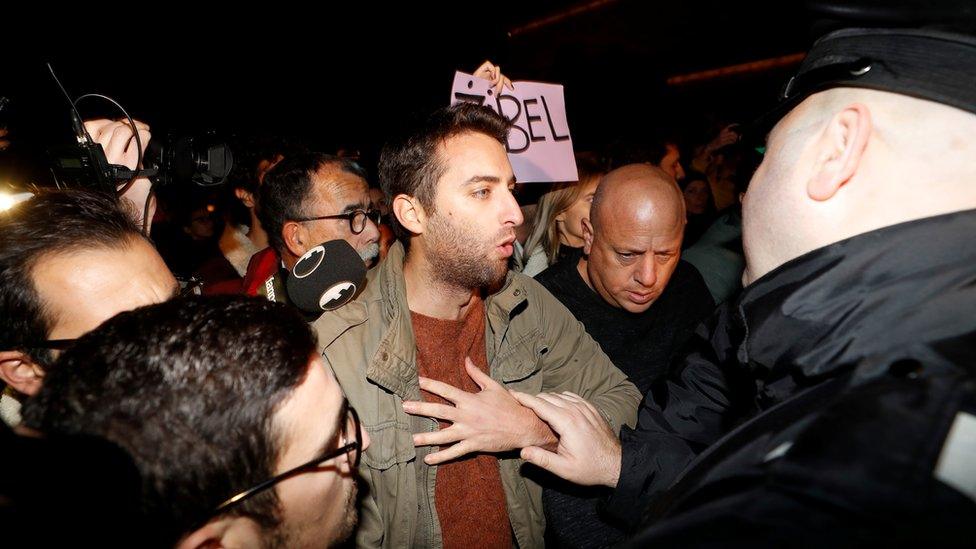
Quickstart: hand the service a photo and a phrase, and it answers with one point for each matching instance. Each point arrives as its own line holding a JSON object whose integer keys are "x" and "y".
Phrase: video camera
{"x": 202, "y": 159}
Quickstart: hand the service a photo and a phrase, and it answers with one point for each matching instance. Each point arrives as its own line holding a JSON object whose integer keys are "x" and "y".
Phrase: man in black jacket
{"x": 631, "y": 290}
{"x": 835, "y": 400}
{"x": 635, "y": 297}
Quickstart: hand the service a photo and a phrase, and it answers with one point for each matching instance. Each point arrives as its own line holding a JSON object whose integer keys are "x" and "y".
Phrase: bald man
{"x": 631, "y": 290}
{"x": 635, "y": 297}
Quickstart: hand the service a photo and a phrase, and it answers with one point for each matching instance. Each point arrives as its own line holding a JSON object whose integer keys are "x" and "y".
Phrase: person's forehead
{"x": 636, "y": 236}
{"x": 589, "y": 187}
{"x": 339, "y": 187}
{"x": 636, "y": 225}
{"x": 83, "y": 288}
{"x": 474, "y": 154}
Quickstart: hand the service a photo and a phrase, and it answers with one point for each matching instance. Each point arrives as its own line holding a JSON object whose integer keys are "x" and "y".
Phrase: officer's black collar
{"x": 909, "y": 283}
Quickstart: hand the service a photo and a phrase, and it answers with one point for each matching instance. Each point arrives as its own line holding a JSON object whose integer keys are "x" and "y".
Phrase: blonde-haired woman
{"x": 557, "y": 230}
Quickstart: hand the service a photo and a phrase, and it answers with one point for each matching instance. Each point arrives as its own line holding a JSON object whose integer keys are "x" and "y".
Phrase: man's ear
{"x": 296, "y": 238}
{"x": 839, "y": 150}
{"x": 245, "y": 197}
{"x": 410, "y": 213}
{"x": 20, "y": 372}
{"x": 587, "y": 235}
{"x": 224, "y": 531}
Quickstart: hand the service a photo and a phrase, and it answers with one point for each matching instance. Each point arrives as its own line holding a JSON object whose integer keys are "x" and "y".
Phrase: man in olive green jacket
{"x": 451, "y": 181}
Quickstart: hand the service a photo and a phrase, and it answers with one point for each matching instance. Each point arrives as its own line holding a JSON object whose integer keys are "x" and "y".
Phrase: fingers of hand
{"x": 442, "y": 389}
{"x": 438, "y": 438}
{"x": 430, "y": 409}
{"x": 458, "y": 450}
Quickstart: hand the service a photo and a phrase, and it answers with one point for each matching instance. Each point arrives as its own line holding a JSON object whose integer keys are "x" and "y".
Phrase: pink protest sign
{"x": 539, "y": 146}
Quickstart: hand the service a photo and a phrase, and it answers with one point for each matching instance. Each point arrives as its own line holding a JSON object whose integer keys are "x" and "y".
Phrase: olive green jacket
{"x": 533, "y": 345}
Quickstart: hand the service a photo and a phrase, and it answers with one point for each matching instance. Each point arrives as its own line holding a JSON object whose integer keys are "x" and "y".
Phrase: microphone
{"x": 327, "y": 277}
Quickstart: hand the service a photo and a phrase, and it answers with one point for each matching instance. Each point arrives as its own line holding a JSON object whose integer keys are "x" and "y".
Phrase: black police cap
{"x": 935, "y": 60}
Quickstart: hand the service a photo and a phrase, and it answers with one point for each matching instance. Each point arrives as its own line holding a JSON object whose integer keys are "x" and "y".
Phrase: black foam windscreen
{"x": 327, "y": 277}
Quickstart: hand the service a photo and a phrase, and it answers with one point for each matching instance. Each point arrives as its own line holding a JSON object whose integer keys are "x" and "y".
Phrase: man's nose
{"x": 645, "y": 274}
{"x": 371, "y": 232}
{"x": 512, "y": 213}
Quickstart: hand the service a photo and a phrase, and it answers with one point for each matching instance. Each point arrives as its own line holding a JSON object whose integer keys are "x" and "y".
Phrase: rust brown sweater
{"x": 468, "y": 492}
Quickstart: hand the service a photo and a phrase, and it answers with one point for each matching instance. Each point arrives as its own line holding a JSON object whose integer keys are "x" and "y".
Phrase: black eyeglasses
{"x": 354, "y": 449}
{"x": 53, "y": 344}
{"x": 357, "y": 219}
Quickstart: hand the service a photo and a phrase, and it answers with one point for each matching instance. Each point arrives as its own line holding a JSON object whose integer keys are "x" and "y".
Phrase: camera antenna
{"x": 80, "y": 132}
{"x": 84, "y": 137}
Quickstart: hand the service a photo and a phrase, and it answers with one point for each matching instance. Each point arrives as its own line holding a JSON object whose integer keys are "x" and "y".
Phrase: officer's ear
{"x": 839, "y": 151}
{"x": 19, "y": 371}
{"x": 410, "y": 213}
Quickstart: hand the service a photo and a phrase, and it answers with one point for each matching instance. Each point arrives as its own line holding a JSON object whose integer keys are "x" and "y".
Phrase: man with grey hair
{"x": 305, "y": 200}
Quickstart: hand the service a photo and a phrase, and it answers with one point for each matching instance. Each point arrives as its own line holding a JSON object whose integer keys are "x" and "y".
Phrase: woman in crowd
{"x": 699, "y": 206}
{"x": 557, "y": 228}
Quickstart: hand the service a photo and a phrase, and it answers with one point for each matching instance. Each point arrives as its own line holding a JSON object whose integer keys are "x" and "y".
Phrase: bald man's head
{"x": 644, "y": 191}
{"x": 633, "y": 236}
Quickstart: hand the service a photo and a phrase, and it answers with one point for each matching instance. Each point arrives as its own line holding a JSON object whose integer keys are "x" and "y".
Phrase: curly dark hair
{"x": 189, "y": 389}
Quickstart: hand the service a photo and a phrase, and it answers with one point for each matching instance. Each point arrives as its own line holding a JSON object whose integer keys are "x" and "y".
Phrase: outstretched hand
{"x": 490, "y": 420}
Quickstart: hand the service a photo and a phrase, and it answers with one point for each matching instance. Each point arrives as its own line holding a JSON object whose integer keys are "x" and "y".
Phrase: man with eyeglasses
{"x": 241, "y": 436}
{"x": 69, "y": 260}
{"x": 305, "y": 200}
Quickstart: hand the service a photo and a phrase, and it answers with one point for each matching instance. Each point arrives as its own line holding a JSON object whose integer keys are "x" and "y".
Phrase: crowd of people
{"x": 768, "y": 346}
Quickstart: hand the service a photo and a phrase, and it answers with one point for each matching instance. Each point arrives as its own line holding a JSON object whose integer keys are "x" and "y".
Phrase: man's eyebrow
{"x": 626, "y": 250}
{"x": 356, "y": 206}
{"x": 482, "y": 179}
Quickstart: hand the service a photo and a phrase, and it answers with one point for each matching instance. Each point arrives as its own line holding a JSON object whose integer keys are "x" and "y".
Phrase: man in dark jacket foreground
{"x": 835, "y": 400}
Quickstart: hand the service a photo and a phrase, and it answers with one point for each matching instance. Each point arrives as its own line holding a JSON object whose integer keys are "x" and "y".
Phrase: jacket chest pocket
{"x": 520, "y": 366}
{"x": 390, "y": 434}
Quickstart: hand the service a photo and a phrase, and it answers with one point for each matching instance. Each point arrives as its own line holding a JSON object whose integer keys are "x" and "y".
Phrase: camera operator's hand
{"x": 118, "y": 141}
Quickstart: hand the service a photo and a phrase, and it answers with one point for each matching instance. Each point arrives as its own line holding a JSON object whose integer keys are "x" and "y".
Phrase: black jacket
{"x": 816, "y": 407}
{"x": 640, "y": 344}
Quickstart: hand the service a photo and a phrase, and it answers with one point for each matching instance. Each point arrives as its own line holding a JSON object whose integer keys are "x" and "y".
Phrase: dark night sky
{"x": 347, "y": 78}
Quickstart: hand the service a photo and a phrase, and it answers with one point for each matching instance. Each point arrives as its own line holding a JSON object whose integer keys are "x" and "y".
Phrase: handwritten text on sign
{"x": 539, "y": 146}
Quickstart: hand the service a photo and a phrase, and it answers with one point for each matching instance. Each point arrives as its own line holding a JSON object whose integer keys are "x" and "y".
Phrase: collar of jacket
{"x": 877, "y": 292}
{"x": 393, "y": 365}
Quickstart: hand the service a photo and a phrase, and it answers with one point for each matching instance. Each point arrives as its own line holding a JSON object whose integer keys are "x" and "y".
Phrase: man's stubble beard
{"x": 280, "y": 537}
{"x": 458, "y": 259}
